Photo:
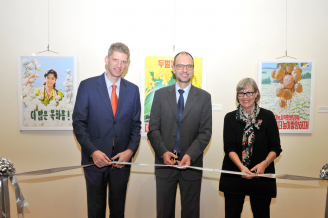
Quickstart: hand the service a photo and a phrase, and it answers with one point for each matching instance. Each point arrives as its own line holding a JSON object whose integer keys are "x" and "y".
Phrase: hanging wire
{"x": 286, "y": 56}
{"x": 48, "y": 36}
{"x": 174, "y": 25}
{"x": 48, "y": 24}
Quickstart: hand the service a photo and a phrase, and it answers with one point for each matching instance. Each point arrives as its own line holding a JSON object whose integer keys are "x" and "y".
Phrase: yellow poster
{"x": 159, "y": 74}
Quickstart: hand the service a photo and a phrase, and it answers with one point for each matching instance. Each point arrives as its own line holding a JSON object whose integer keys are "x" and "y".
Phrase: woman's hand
{"x": 244, "y": 169}
{"x": 28, "y": 80}
{"x": 235, "y": 159}
{"x": 260, "y": 168}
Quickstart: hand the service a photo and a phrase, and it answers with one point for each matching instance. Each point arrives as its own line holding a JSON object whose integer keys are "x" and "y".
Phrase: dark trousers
{"x": 166, "y": 195}
{"x": 234, "y": 206}
{"x": 97, "y": 182}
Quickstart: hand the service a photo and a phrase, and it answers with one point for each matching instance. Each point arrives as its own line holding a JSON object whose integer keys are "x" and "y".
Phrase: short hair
{"x": 245, "y": 83}
{"x": 120, "y": 47}
{"x": 185, "y": 53}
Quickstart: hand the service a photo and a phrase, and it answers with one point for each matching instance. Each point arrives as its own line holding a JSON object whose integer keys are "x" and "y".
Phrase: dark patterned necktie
{"x": 180, "y": 112}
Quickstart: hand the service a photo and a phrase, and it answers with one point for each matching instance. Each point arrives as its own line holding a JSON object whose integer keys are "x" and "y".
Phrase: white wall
{"x": 231, "y": 35}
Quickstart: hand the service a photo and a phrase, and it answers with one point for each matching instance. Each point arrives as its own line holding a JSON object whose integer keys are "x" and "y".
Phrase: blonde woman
{"x": 251, "y": 144}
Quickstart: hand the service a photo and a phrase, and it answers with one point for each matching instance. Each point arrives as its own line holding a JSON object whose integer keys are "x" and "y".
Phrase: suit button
{"x": 114, "y": 122}
{"x": 174, "y": 135}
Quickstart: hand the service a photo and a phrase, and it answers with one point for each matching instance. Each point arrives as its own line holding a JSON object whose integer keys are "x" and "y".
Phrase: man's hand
{"x": 124, "y": 156}
{"x": 167, "y": 158}
{"x": 100, "y": 159}
{"x": 186, "y": 160}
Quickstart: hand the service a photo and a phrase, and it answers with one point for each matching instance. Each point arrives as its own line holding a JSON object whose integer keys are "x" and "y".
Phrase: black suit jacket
{"x": 94, "y": 124}
{"x": 195, "y": 129}
{"x": 266, "y": 140}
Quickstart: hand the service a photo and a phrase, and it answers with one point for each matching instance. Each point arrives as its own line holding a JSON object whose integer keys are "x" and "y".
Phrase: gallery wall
{"x": 231, "y": 36}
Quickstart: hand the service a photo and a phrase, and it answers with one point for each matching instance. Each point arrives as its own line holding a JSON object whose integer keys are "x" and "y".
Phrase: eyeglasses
{"x": 242, "y": 94}
{"x": 181, "y": 66}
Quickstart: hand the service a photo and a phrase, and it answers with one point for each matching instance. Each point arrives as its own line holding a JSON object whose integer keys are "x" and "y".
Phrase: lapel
{"x": 172, "y": 99}
{"x": 102, "y": 88}
{"x": 191, "y": 100}
{"x": 123, "y": 92}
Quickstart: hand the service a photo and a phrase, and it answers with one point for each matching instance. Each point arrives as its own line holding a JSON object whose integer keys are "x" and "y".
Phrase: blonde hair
{"x": 120, "y": 47}
{"x": 245, "y": 83}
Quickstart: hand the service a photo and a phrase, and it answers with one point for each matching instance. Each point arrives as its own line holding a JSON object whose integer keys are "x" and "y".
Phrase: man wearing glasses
{"x": 180, "y": 128}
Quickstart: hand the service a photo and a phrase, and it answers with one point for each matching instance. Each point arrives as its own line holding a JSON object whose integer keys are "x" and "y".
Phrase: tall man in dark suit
{"x": 106, "y": 122}
{"x": 180, "y": 128}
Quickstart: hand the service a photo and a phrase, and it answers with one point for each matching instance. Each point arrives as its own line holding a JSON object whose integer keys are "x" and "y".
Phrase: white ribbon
{"x": 4, "y": 196}
{"x": 21, "y": 203}
{"x": 277, "y": 176}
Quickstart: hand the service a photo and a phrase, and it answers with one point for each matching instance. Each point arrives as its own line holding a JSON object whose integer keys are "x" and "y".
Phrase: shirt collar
{"x": 187, "y": 89}
{"x": 109, "y": 83}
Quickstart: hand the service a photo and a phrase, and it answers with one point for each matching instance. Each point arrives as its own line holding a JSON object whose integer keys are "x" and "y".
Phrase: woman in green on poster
{"x": 48, "y": 91}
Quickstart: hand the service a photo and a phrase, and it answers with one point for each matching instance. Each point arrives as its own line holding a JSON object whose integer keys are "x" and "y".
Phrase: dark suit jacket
{"x": 195, "y": 129}
{"x": 94, "y": 124}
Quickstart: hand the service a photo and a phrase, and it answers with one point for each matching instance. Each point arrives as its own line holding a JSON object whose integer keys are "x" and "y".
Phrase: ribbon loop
{"x": 5, "y": 203}
{"x": 2, "y": 200}
{"x": 7, "y": 170}
{"x": 20, "y": 200}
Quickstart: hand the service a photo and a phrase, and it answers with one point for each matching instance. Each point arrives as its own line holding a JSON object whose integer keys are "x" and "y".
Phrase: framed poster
{"x": 287, "y": 89}
{"x": 47, "y": 87}
{"x": 157, "y": 74}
